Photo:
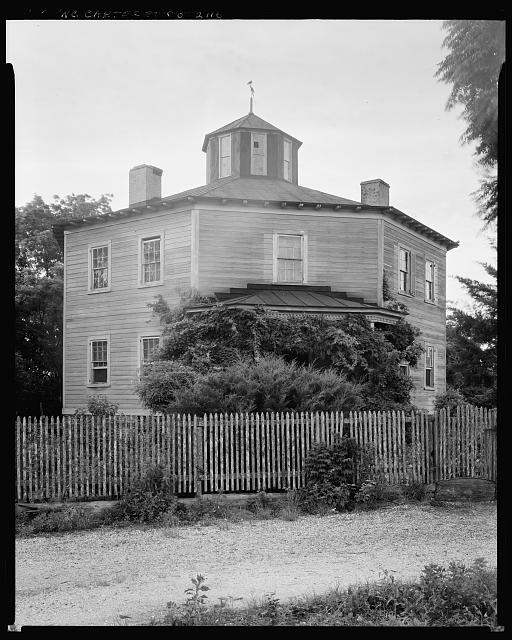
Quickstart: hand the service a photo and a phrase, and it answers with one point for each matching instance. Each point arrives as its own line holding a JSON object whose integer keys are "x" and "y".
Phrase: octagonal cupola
{"x": 250, "y": 147}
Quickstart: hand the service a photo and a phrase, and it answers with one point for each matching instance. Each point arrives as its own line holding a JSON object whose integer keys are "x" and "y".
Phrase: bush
{"x": 332, "y": 473}
{"x": 72, "y": 518}
{"x": 372, "y": 493}
{"x": 98, "y": 406}
{"x": 450, "y": 399}
{"x": 151, "y": 497}
{"x": 270, "y": 384}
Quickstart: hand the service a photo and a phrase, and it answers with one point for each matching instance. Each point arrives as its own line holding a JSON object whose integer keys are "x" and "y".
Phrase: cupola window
{"x": 259, "y": 154}
{"x": 225, "y": 156}
{"x": 287, "y": 161}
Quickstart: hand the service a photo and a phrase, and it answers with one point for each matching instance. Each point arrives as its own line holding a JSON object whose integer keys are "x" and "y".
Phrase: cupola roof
{"x": 250, "y": 121}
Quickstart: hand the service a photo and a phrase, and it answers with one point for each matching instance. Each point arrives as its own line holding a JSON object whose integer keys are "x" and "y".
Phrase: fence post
{"x": 198, "y": 457}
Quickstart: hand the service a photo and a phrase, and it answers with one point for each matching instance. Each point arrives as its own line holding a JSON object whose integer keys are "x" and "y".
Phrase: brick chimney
{"x": 375, "y": 192}
{"x": 145, "y": 183}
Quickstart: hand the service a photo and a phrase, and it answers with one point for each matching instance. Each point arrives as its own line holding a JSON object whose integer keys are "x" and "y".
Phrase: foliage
{"x": 372, "y": 493}
{"x": 150, "y": 498}
{"x": 471, "y": 343}
{"x": 450, "y": 399}
{"x": 218, "y": 348}
{"x": 270, "y": 384}
{"x": 473, "y": 66}
{"x": 39, "y": 297}
{"x": 332, "y": 474}
{"x": 69, "y": 518}
{"x": 98, "y": 406}
{"x": 458, "y": 595}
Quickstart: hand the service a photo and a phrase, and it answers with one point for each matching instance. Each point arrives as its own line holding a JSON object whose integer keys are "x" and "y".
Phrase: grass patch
{"x": 456, "y": 595}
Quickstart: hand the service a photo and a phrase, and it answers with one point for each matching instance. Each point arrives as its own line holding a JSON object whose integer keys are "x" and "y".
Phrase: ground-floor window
{"x": 429, "y": 366}
{"x": 99, "y": 361}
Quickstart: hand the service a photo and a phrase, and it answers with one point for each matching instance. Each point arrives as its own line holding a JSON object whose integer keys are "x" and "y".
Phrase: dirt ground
{"x": 93, "y": 577}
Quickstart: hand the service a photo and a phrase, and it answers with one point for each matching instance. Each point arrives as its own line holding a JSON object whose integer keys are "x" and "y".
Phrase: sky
{"x": 95, "y": 98}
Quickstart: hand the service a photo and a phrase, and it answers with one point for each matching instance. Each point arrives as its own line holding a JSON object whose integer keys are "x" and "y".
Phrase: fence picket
{"x": 257, "y": 451}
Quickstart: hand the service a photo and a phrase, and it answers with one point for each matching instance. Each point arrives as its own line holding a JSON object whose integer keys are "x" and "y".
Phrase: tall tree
{"x": 472, "y": 67}
{"x": 471, "y": 348}
{"x": 39, "y": 297}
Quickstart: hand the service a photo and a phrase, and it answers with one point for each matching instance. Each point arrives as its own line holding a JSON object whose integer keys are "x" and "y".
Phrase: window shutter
{"x": 436, "y": 285}
{"x": 412, "y": 286}
{"x": 396, "y": 270}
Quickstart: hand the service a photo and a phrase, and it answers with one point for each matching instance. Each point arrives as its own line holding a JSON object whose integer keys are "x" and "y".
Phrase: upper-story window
{"x": 99, "y": 267}
{"x": 287, "y": 160}
{"x": 151, "y": 267}
{"x": 404, "y": 267}
{"x": 225, "y": 156}
{"x": 430, "y": 268}
{"x": 429, "y": 366}
{"x": 289, "y": 257}
{"x": 259, "y": 154}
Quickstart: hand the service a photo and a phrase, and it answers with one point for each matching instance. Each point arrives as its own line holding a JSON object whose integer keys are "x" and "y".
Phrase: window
{"x": 225, "y": 156}
{"x": 429, "y": 367}
{"x": 149, "y": 347}
{"x": 287, "y": 160}
{"x": 151, "y": 268}
{"x": 404, "y": 270}
{"x": 289, "y": 255}
{"x": 99, "y": 362}
{"x": 259, "y": 154}
{"x": 404, "y": 369}
{"x": 99, "y": 268}
{"x": 429, "y": 280}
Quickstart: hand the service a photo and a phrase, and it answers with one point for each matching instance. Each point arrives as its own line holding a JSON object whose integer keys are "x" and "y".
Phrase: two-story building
{"x": 251, "y": 235}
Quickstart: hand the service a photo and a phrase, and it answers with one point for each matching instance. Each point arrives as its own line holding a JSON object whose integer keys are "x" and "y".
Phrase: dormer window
{"x": 225, "y": 156}
{"x": 287, "y": 160}
{"x": 259, "y": 154}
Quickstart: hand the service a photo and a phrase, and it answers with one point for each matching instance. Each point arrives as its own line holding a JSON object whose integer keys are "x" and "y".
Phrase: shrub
{"x": 151, "y": 497}
{"x": 270, "y": 384}
{"x": 372, "y": 493}
{"x": 70, "y": 518}
{"x": 98, "y": 406}
{"x": 450, "y": 399}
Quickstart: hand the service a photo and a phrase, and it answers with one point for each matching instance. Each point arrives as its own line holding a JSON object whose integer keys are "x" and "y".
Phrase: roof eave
{"x": 161, "y": 203}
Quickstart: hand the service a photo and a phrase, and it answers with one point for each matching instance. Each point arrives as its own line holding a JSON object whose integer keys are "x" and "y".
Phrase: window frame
{"x": 141, "y": 338}
{"x": 304, "y": 255}
{"x": 90, "y": 279}
{"x": 227, "y": 135}
{"x": 290, "y": 161}
{"x": 90, "y": 341}
{"x": 264, "y": 135}
{"x": 405, "y": 365}
{"x": 433, "y": 265}
{"x": 155, "y": 236}
{"x": 431, "y": 368}
{"x": 408, "y": 290}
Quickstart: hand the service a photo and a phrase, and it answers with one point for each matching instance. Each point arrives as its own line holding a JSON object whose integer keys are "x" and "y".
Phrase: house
{"x": 250, "y": 235}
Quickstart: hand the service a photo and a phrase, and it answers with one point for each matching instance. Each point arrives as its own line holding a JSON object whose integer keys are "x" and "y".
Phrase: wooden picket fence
{"x": 86, "y": 458}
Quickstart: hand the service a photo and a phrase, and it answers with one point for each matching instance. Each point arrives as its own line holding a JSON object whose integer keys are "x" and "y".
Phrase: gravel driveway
{"x": 91, "y": 577}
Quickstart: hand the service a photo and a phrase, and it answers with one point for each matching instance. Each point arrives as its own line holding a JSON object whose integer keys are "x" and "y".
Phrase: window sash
{"x": 290, "y": 262}
{"x": 99, "y": 361}
{"x": 225, "y": 156}
{"x": 149, "y": 346}
{"x": 405, "y": 269}
{"x": 99, "y": 267}
{"x": 429, "y": 367}
{"x": 287, "y": 160}
{"x": 429, "y": 280}
{"x": 151, "y": 260}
